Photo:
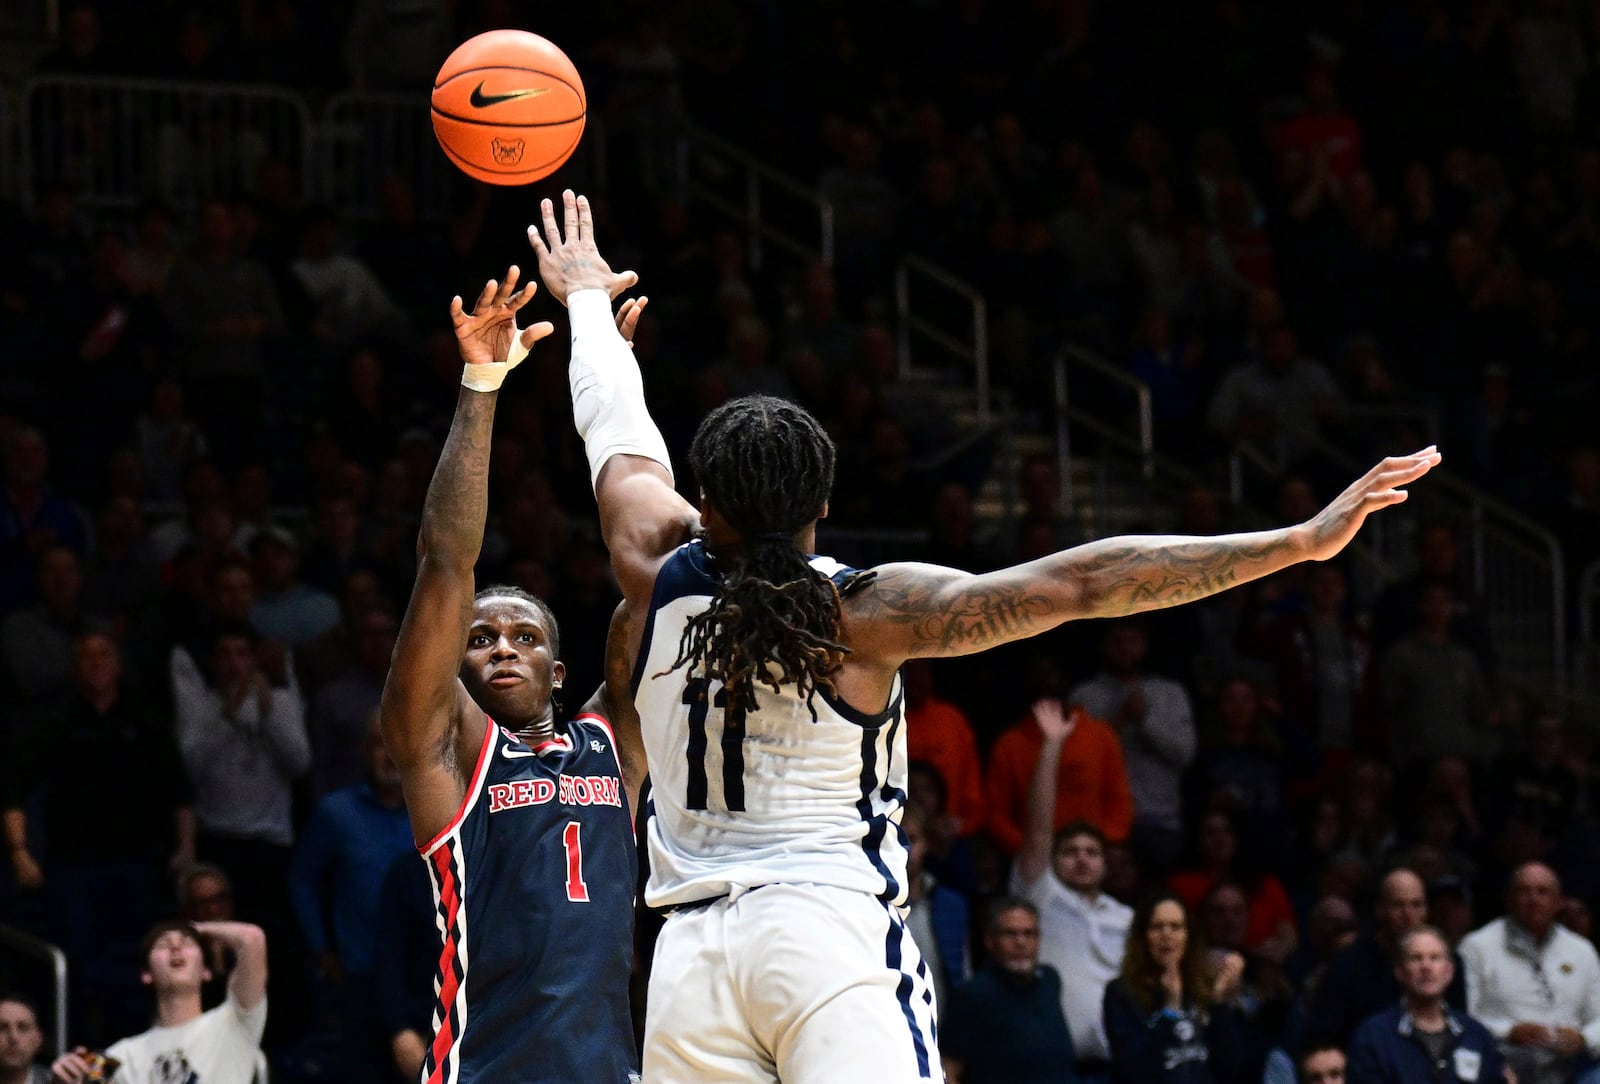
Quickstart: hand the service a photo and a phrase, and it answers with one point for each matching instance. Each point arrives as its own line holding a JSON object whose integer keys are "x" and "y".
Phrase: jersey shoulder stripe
{"x": 690, "y": 571}
{"x": 590, "y": 718}
{"x": 685, "y": 573}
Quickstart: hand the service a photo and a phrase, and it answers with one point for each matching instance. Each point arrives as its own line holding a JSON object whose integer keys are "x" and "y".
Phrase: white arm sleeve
{"x": 608, "y": 405}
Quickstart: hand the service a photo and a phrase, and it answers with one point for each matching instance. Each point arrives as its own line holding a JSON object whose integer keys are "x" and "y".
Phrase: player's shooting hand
{"x": 1055, "y": 723}
{"x": 484, "y": 335}
{"x": 628, "y": 316}
{"x": 569, "y": 261}
{"x": 1331, "y": 529}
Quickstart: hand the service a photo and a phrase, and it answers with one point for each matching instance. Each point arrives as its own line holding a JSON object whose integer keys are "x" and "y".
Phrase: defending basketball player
{"x": 768, "y": 689}
{"x": 526, "y": 823}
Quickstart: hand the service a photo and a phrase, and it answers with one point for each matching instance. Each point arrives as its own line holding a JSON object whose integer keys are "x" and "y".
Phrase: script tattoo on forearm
{"x": 938, "y": 611}
{"x": 1131, "y": 576}
{"x": 957, "y": 621}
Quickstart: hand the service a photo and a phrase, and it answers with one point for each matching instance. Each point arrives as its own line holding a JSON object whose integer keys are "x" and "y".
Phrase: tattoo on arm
{"x": 457, "y": 503}
{"x": 956, "y": 618}
{"x": 936, "y": 611}
{"x": 1136, "y": 576}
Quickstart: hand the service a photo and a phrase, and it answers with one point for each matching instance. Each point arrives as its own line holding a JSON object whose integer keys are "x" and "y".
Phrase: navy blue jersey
{"x": 534, "y": 885}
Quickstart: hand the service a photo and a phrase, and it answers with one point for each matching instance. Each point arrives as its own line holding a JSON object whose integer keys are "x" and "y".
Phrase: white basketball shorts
{"x": 803, "y": 984}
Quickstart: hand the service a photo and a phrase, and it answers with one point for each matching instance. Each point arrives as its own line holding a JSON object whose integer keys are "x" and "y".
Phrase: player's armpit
{"x": 643, "y": 518}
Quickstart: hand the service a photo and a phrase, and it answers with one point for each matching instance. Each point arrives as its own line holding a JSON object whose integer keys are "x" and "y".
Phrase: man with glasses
{"x": 1005, "y": 1025}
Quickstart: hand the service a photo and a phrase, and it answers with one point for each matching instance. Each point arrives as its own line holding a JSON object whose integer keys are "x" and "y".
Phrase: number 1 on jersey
{"x": 699, "y": 705}
{"x": 577, "y": 891}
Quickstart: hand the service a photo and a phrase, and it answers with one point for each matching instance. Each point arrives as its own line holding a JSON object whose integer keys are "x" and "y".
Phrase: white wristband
{"x": 489, "y": 377}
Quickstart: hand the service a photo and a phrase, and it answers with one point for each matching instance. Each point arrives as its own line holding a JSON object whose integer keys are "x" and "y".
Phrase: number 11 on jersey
{"x": 733, "y": 733}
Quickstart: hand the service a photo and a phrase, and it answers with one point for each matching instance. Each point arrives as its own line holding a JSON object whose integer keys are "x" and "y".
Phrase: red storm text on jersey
{"x": 571, "y": 790}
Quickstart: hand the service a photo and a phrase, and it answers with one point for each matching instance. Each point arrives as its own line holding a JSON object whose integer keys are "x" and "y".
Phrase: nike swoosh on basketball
{"x": 480, "y": 100}
{"x": 512, "y": 754}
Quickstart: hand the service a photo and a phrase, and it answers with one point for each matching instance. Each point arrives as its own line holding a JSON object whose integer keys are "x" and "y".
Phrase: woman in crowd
{"x": 1170, "y": 1015}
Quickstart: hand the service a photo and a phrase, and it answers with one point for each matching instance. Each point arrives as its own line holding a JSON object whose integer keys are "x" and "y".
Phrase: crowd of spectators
{"x": 1303, "y": 828}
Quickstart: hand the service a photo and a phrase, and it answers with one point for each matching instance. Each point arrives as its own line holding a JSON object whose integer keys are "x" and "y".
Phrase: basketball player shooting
{"x": 527, "y": 823}
{"x": 767, "y": 682}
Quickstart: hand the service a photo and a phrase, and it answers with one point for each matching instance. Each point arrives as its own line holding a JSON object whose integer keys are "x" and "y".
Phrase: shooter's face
{"x": 509, "y": 669}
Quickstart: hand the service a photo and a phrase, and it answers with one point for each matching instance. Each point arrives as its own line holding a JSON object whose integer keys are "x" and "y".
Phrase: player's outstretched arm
{"x": 913, "y": 611}
{"x": 430, "y": 724}
{"x": 642, "y": 516}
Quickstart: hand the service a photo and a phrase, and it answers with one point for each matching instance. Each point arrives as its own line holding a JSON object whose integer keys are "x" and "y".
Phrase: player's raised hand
{"x": 1331, "y": 529}
{"x": 568, "y": 258}
{"x": 1055, "y": 723}
{"x": 628, "y": 316}
{"x": 485, "y": 334}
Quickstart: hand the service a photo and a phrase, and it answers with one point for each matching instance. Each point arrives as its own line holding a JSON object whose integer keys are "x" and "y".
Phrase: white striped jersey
{"x": 741, "y": 799}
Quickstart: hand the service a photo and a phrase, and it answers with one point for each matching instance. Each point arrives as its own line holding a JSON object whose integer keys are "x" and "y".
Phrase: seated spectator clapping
{"x": 1536, "y": 985}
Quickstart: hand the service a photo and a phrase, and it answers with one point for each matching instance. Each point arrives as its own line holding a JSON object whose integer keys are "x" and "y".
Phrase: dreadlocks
{"x": 767, "y": 465}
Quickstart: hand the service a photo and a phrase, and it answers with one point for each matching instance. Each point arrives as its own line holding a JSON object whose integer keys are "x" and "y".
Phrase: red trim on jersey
{"x": 601, "y": 719}
{"x": 559, "y": 741}
{"x": 478, "y": 772}
{"x": 616, "y": 750}
{"x": 450, "y": 897}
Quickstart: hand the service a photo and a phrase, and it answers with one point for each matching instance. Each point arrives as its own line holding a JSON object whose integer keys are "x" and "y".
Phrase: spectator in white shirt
{"x": 1154, "y": 720}
{"x": 1536, "y": 985}
{"x": 1082, "y": 931}
{"x": 222, "y": 1046}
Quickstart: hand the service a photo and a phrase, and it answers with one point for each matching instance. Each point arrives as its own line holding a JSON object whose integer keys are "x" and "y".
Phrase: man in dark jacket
{"x": 1422, "y": 1039}
{"x": 1005, "y": 1026}
{"x": 1361, "y": 978}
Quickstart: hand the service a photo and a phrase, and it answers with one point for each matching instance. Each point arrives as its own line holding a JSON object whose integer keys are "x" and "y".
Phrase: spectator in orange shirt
{"x": 1092, "y": 785}
{"x": 938, "y": 732}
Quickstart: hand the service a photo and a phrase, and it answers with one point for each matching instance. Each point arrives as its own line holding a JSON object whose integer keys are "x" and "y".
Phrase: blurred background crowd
{"x": 1315, "y": 232}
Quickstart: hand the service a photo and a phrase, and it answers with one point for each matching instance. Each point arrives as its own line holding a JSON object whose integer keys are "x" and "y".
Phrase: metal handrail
{"x": 1427, "y": 416}
{"x": 190, "y": 94}
{"x": 950, "y": 450}
{"x": 1486, "y": 515}
{"x": 29, "y": 945}
{"x": 1070, "y": 355}
{"x": 756, "y": 174}
{"x": 976, "y": 352}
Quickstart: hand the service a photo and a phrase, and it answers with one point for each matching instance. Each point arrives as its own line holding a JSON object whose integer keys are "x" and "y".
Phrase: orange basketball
{"x": 508, "y": 107}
